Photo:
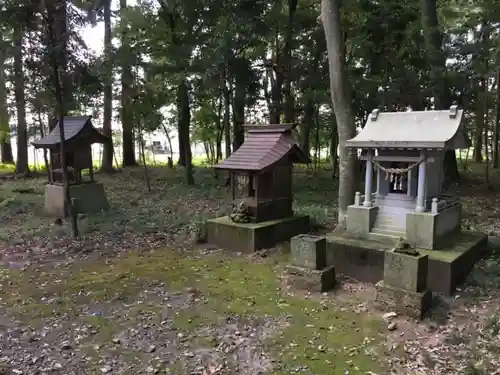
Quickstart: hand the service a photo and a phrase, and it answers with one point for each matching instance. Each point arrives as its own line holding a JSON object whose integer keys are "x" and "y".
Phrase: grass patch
{"x": 316, "y": 334}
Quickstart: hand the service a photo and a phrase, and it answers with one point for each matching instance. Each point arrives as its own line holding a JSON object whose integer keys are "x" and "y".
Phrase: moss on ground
{"x": 316, "y": 333}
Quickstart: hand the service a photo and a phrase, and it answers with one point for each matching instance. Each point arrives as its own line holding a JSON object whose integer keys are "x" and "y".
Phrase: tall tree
{"x": 341, "y": 100}
{"x": 439, "y": 86}
{"x": 5, "y": 145}
{"x": 127, "y": 91}
{"x": 107, "y": 156}
{"x": 56, "y": 29}
{"x": 19, "y": 87}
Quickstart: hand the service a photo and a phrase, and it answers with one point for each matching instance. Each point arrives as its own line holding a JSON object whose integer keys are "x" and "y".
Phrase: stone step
{"x": 390, "y": 220}
{"x": 384, "y": 238}
{"x": 389, "y": 227}
{"x": 394, "y": 233}
{"x": 395, "y": 206}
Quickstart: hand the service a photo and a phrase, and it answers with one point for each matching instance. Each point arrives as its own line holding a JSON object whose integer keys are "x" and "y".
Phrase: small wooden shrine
{"x": 264, "y": 165}
{"x": 80, "y": 134}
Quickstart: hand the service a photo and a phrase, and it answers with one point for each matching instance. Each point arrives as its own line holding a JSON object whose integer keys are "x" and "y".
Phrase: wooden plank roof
{"x": 415, "y": 129}
{"x": 264, "y": 146}
{"x": 75, "y": 128}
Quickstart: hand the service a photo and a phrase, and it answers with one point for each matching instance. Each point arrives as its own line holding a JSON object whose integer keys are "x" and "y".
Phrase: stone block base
{"x": 404, "y": 302}
{"x": 250, "y": 237}
{"x": 308, "y": 251}
{"x": 312, "y": 280}
{"x": 88, "y": 198}
{"x": 364, "y": 259}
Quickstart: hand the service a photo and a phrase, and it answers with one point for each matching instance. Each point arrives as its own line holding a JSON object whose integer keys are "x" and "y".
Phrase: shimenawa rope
{"x": 390, "y": 172}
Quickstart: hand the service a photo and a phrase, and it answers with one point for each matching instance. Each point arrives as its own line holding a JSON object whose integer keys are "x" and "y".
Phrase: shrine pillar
{"x": 368, "y": 179}
{"x": 421, "y": 184}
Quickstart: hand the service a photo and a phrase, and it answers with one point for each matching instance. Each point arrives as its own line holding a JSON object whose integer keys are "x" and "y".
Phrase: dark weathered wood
{"x": 266, "y": 157}
{"x": 79, "y": 135}
{"x": 265, "y": 146}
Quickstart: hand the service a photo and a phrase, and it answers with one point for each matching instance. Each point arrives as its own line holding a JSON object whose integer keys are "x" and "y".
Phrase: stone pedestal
{"x": 88, "y": 198}
{"x": 308, "y": 251}
{"x": 309, "y": 268}
{"x": 250, "y": 237}
{"x": 406, "y": 271}
{"x": 404, "y": 288}
{"x": 312, "y": 280}
{"x": 404, "y": 302}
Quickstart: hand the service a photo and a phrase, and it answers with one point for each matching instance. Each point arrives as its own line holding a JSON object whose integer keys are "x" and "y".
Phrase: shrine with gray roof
{"x": 406, "y": 152}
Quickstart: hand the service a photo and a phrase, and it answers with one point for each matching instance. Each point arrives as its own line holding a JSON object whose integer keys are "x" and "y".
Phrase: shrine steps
{"x": 388, "y": 232}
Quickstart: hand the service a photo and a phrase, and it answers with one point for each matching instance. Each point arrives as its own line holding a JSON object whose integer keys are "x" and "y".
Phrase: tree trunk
{"x": 56, "y": 13}
{"x": 107, "y": 157}
{"x": 184, "y": 121}
{"x": 306, "y": 125}
{"x": 6, "y": 156}
{"x": 437, "y": 62}
{"x": 227, "y": 117}
{"x": 22, "y": 130}
{"x": 220, "y": 131}
{"x": 277, "y": 81}
{"x": 486, "y": 134}
{"x": 238, "y": 113}
{"x": 334, "y": 143}
{"x": 287, "y": 64}
{"x": 497, "y": 122}
{"x": 126, "y": 98}
{"x": 330, "y": 17}
{"x": 478, "y": 136}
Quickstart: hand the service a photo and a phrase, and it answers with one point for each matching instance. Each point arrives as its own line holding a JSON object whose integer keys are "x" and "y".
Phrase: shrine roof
{"x": 265, "y": 146}
{"x": 413, "y": 130}
{"x": 76, "y": 129}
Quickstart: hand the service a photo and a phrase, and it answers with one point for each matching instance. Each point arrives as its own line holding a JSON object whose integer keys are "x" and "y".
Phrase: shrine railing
{"x": 439, "y": 205}
{"x": 359, "y": 198}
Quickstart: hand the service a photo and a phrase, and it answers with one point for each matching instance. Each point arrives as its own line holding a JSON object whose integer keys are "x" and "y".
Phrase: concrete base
{"x": 447, "y": 267}
{"x": 88, "y": 198}
{"x": 402, "y": 301}
{"x": 308, "y": 251}
{"x": 312, "y": 280}
{"x": 250, "y": 237}
{"x": 360, "y": 220}
{"x": 432, "y": 231}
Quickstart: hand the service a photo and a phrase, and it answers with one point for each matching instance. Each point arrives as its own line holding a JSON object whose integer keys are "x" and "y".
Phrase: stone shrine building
{"x": 407, "y": 149}
{"x": 404, "y": 199}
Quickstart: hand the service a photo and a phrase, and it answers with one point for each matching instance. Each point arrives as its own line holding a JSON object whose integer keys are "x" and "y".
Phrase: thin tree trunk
{"x": 306, "y": 126}
{"x": 339, "y": 87}
{"x": 496, "y": 129}
{"x": 22, "y": 130}
{"x": 126, "y": 97}
{"x": 6, "y": 155}
{"x": 238, "y": 113}
{"x": 184, "y": 120}
{"x": 58, "y": 57}
{"x": 220, "y": 131}
{"x": 169, "y": 140}
{"x": 42, "y": 134}
{"x": 107, "y": 158}
{"x": 334, "y": 144}
{"x": 227, "y": 124}
{"x": 478, "y": 136}
{"x": 143, "y": 156}
{"x": 316, "y": 144}
{"x": 289, "y": 98}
